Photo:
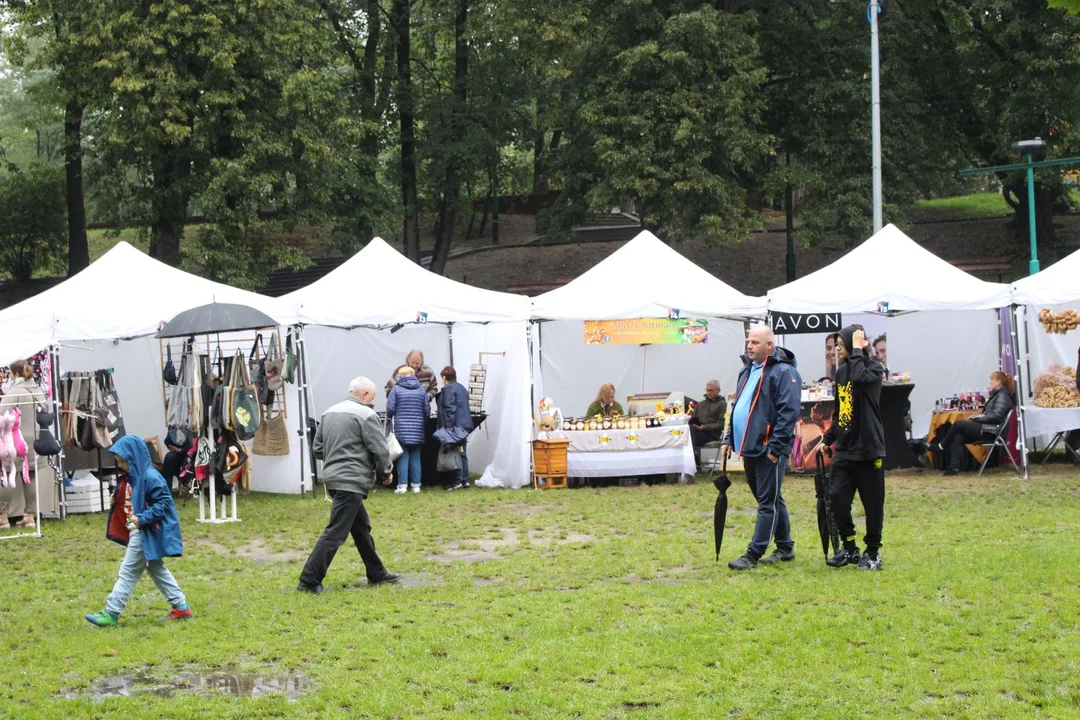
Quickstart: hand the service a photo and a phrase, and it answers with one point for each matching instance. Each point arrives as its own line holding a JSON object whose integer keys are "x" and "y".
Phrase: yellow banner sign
{"x": 647, "y": 331}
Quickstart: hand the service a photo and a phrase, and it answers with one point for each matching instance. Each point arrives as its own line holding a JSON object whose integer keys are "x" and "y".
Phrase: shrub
{"x": 32, "y": 220}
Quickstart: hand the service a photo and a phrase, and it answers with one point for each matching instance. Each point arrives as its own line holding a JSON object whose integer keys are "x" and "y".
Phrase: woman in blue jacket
{"x": 143, "y": 517}
{"x": 408, "y": 407}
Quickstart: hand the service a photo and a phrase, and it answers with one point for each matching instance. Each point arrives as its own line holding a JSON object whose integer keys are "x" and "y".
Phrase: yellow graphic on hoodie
{"x": 844, "y": 412}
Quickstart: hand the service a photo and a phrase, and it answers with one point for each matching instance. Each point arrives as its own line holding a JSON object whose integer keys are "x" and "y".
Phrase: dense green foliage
{"x": 395, "y": 117}
{"x": 32, "y": 228}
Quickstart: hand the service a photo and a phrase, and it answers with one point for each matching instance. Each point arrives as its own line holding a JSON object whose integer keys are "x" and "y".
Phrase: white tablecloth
{"x": 621, "y": 453}
{"x": 1049, "y": 421}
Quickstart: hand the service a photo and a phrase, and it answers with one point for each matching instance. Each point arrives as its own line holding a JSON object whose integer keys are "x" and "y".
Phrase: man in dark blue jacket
{"x": 762, "y": 430}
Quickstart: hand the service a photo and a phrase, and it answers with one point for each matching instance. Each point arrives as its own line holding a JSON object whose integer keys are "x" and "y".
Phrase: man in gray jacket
{"x": 352, "y": 446}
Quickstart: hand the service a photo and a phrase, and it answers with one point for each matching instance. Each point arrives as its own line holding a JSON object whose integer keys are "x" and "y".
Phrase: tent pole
{"x": 532, "y": 385}
{"x": 300, "y": 419}
{"x": 450, "y": 341}
{"x": 1021, "y": 378}
{"x": 302, "y": 343}
{"x": 54, "y": 371}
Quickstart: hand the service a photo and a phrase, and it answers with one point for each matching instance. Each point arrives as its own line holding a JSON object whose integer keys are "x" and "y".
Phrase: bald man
{"x": 761, "y": 431}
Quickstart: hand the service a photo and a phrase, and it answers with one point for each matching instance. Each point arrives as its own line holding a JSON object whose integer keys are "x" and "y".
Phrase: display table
{"x": 1050, "y": 421}
{"x": 622, "y": 453}
{"x": 816, "y": 417}
{"x": 951, "y": 416}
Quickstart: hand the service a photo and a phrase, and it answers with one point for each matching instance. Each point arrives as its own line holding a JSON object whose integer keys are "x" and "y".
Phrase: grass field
{"x": 578, "y": 603}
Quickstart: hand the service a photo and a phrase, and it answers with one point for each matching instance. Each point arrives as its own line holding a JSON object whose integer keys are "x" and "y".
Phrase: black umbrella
{"x": 216, "y": 318}
{"x": 720, "y": 509}
{"x": 825, "y": 521}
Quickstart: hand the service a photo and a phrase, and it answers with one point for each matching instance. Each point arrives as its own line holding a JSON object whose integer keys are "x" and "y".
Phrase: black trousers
{"x": 960, "y": 434}
{"x": 868, "y": 478}
{"x": 347, "y": 516}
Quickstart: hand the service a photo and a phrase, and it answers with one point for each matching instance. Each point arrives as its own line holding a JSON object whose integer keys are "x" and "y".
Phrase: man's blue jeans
{"x": 132, "y": 569}
{"x": 766, "y": 479}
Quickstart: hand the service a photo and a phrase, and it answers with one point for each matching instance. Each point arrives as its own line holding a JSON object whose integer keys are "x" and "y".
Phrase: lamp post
{"x": 1028, "y": 148}
{"x": 872, "y": 13}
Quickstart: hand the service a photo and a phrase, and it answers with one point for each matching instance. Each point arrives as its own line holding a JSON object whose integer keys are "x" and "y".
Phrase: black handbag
{"x": 244, "y": 405}
{"x": 257, "y": 370}
{"x": 169, "y": 373}
{"x": 46, "y": 444}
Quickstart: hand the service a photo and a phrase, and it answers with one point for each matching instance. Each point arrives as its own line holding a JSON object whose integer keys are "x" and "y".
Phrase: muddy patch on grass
{"x": 522, "y": 509}
{"x": 255, "y": 549}
{"x": 420, "y": 580}
{"x": 467, "y": 556}
{"x": 194, "y": 682}
{"x": 557, "y": 537}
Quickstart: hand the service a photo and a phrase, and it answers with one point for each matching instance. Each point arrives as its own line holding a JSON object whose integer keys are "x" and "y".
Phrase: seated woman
{"x": 979, "y": 427}
{"x": 604, "y": 404}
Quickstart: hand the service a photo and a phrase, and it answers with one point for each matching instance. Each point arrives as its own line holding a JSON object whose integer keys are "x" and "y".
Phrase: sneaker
{"x": 386, "y": 579}
{"x": 778, "y": 555}
{"x": 27, "y": 521}
{"x": 455, "y": 486}
{"x": 179, "y": 613}
{"x": 844, "y": 557}
{"x": 415, "y": 489}
{"x": 401, "y": 490}
{"x": 746, "y": 562}
{"x": 103, "y": 619}
{"x": 464, "y": 484}
{"x": 313, "y": 589}
{"x": 870, "y": 563}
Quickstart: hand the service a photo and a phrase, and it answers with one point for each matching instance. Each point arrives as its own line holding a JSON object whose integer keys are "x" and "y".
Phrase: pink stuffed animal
{"x": 7, "y": 450}
{"x": 20, "y": 447}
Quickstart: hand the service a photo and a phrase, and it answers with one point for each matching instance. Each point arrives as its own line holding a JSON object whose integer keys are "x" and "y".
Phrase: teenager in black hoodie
{"x": 859, "y": 448}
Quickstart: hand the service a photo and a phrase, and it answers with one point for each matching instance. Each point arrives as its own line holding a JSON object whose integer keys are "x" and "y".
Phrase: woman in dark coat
{"x": 998, "y": 406}
{"x": 407, "y": 406}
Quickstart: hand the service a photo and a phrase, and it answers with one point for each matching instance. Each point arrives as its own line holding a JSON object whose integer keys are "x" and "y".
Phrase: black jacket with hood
{"x": 857, "y": 429}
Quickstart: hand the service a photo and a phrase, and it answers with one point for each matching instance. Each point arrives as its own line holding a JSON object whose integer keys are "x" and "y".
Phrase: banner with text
{"x": 647, "y": 331}
{"x": 792, "y": 324}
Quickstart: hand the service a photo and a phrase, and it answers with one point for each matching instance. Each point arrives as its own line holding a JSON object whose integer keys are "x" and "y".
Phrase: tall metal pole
{"x": 1033, "y": 265}
{"x": 875, "y": 110}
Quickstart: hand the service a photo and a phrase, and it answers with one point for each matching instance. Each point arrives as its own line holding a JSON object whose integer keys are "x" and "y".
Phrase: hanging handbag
{"x": 108, "y": 410}
{"x": 246, "y": 413}
{"x": 272, "y": 437}
{"x": 169, "y": 373}
{"x": 449, "y": 459}
{"x": 84, "y": 411}
{"x": 257, "y": 368}
{"x": 97, "y": 413}
{"x": 178, "y": 397}
{"x": 230, "y": 457}
{"x": 45, "y": 444}
{"x": 275, "y": 364}
{"x": 289, "y": 371}
{"x": 215, "y": 382}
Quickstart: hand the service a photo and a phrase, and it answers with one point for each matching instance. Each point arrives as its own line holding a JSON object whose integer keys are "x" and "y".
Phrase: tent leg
{"x": 450, "y": 341}
{"x": 301, "y": 414}
{"x": 54, "y": 371}
{"x": 1021, "y": 379}
{"x": 305, "y": 412}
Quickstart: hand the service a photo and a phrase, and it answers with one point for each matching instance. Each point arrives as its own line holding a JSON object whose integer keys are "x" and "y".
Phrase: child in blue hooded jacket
{"x": 143, "y": 517}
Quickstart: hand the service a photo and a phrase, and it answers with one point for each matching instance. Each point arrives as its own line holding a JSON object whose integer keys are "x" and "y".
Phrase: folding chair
{"x": 999, "y": 441}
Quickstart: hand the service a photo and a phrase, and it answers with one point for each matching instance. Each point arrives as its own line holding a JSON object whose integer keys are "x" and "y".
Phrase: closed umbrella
{"x": 720, "y": 508}
{"x": 825, "y": 520}
{"x": 216, "y": 318}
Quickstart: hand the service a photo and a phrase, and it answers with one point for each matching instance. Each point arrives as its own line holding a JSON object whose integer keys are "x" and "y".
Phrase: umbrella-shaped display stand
{"x": 205, "y": 320}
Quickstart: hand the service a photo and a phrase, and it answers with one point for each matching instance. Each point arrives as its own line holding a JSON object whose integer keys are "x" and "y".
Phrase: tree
{"x": 31, "y": 220}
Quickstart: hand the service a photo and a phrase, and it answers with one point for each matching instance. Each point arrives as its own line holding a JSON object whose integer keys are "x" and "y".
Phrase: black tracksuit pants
{"x": 347, "y": 516}
{"x": 867, "y": 477}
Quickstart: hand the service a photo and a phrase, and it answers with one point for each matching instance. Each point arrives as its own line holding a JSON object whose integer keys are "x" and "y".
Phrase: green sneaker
{"x": 103, "y": 619}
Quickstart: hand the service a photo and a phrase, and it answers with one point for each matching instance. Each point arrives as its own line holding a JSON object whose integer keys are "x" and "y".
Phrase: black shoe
{"x": 868, "y": 562}
{"x": 746, "y": 562}
{"x": 314, "y": 589}
{"x": 385, "y": 579}
{"x": 950, "y": 472}
{"x": 844, "y": 557}
{"x": 778, "y": 555}
{"x": 455, "y": 486}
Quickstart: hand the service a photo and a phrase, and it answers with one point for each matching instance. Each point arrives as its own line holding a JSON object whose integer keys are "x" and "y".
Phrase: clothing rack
{"x": 37, "y": 472}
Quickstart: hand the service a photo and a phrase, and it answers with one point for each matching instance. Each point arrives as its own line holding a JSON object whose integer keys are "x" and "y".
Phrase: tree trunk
{"x": 400, "y": 18}
{"x": 169, "y": 205}
{"x": 1017, "y": 198}
{"x": 78, "y": 247}
{"x": 452, "y": 184}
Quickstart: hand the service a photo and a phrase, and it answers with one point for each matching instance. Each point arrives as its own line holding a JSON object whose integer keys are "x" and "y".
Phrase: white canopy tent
{"x": 1056, "y": 288}
{"x": 107, "y": 315}
{"x": 645, "y": 278}
{"x": 365, "y": 316}
{"x": 932, "y": 329}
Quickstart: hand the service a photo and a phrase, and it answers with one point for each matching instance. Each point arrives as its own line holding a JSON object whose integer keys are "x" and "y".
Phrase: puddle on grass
{"x": 195, "y": 683}
{"x": 255, "y": 549}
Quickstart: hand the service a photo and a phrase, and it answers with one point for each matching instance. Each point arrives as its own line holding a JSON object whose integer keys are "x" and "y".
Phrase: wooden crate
{"x": 549, "y": 463}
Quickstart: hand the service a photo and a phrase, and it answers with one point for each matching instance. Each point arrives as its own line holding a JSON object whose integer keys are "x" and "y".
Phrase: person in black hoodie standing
{"x": 859, "y": 448}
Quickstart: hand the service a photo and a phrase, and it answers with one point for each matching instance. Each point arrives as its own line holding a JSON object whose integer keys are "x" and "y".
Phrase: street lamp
{"x": 1029, "y": 148}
